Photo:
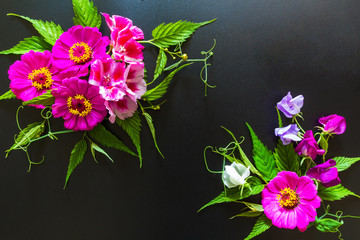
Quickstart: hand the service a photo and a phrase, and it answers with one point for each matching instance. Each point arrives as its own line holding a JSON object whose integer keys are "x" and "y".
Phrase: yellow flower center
{"x": 79, "y": 105}
{"x": 288, "y": 198}
{"x": 41, "y": 78}
{"x": 80, "y": 52}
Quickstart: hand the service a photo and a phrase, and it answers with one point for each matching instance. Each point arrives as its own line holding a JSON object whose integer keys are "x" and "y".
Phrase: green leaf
{"x": 76, "y": 157}
{"x": 27, "y": 134}
{"x": 160, "y": 63}
{"x": 152, "y": 129}
{"x": 35, "y": 43}
{"x": 334, "y": 193}
{"x": 286, "y": 158}
{"x": 86, "y": 14}
{"x": 247, "y": 214}
{"x": 46, "y": 99}
{"x": 106, "y": 138}
{"x": 49, "y": 30}
{"x": 261, "y": 225}
{"x": 94, "y": 147}
{"x": 170, "y": 34}
{"x": 328, "y": 225}
{"x": 158, "y": 91}
{"x": 263, "y": 157}
{"x": 343, "y": 163}
{"x": 132, "y": 126}
{"x": 237, "y": 193}
{"x": 8, "y": 95}
{"x": 219, "y": 199}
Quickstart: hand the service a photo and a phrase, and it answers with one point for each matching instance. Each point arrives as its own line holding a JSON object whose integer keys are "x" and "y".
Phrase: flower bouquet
{"x": 86, "y": 78}
{"x": 293, "y": 181}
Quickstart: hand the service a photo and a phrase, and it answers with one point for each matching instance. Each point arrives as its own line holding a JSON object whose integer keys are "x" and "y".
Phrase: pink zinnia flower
{"x": 119, "y": 85}
{"x": 123, "y": 39}
{"x": 79, "y": 47}
{"x": 33, "y": 75}
{"x": 290, "y": 201}
{"x": 79, "y": 103}
{"x": 308, "y": 146}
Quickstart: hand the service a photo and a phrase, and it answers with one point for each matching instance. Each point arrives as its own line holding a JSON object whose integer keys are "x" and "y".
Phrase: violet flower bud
{"x": 288, "y": 134}
{"x": 326, "y": 173}
{"x": 308, "y": 146}
{"x": 290, "y": 106}
{"x": 333, "y": 124}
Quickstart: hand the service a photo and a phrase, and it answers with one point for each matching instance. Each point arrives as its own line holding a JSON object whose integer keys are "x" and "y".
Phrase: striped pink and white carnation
{"x": 119, "y": 85}
{"x": 290, "y": 201}
{"x": 33, "y": 75}
{"x": 79, "y": 47}
{"x": 79, "y": 104}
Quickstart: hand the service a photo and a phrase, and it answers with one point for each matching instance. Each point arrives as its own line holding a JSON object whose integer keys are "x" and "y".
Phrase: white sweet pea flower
{"x": 235, "y": 175}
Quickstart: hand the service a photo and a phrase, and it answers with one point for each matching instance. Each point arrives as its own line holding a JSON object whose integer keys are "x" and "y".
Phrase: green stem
{"x": 297, "y": 123}
{"x": 48, "y": 135}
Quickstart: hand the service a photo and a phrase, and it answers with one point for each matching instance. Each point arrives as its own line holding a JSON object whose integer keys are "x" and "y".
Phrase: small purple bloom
{"x": 290, "y": 106}
{"x": 334, "y": 124}
{"x": 308, "y": 146}
{"x": 326, "y": 173}
{"x": 288, "y": 133}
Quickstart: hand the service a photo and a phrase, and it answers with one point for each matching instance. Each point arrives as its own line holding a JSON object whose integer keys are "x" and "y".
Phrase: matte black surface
{"x": 264, "y": 49}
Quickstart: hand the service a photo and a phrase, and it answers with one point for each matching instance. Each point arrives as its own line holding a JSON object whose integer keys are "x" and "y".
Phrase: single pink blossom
{"x": 290, "y": 201}
{"x": 79, "y": 47}
{"x": 123, "y": 39}
{"x": 326, "y": 173}
{"x": 79, "y": 104}
{"x": 123, "y": 24}
{"x": 33, "y": 75}
{"x": 333, "y": 124}
{"x": 122, "y": 109}
{"x": 308, "y": 146}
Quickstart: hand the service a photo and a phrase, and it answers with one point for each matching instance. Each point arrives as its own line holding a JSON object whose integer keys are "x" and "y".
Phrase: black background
{"x": 264, "y": 49}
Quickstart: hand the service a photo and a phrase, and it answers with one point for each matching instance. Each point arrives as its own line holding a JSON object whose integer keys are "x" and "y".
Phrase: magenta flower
{"x": 288, "y": 133}
{"x": 333, "y": 124}
{"x": 33, "y": 75}
{"x": 119, "y": 85}
{"x": 79, "y": 103}
{"x": 123, "y": 39}
{"x": 290, "y": 201}
{"x": 290, "y": 106}
{"x": 79, "y": 47}
{"x": 308, "y": 146}
{"x": 326, "y": 173}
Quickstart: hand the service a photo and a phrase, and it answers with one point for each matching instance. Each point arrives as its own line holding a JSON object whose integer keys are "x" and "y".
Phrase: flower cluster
{"x": 294, "y": 180}
{"x": 112, "y": 85}
{"x": 85, "y": 78}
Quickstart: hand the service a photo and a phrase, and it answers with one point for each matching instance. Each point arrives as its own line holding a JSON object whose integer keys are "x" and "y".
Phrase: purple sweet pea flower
{"x": 288, "y": 134}
{"x": 290, "y": 106}
{"x": 326, "y": 173}
{"x": 308, "y": 146}
{"x": 334, "y": 124}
